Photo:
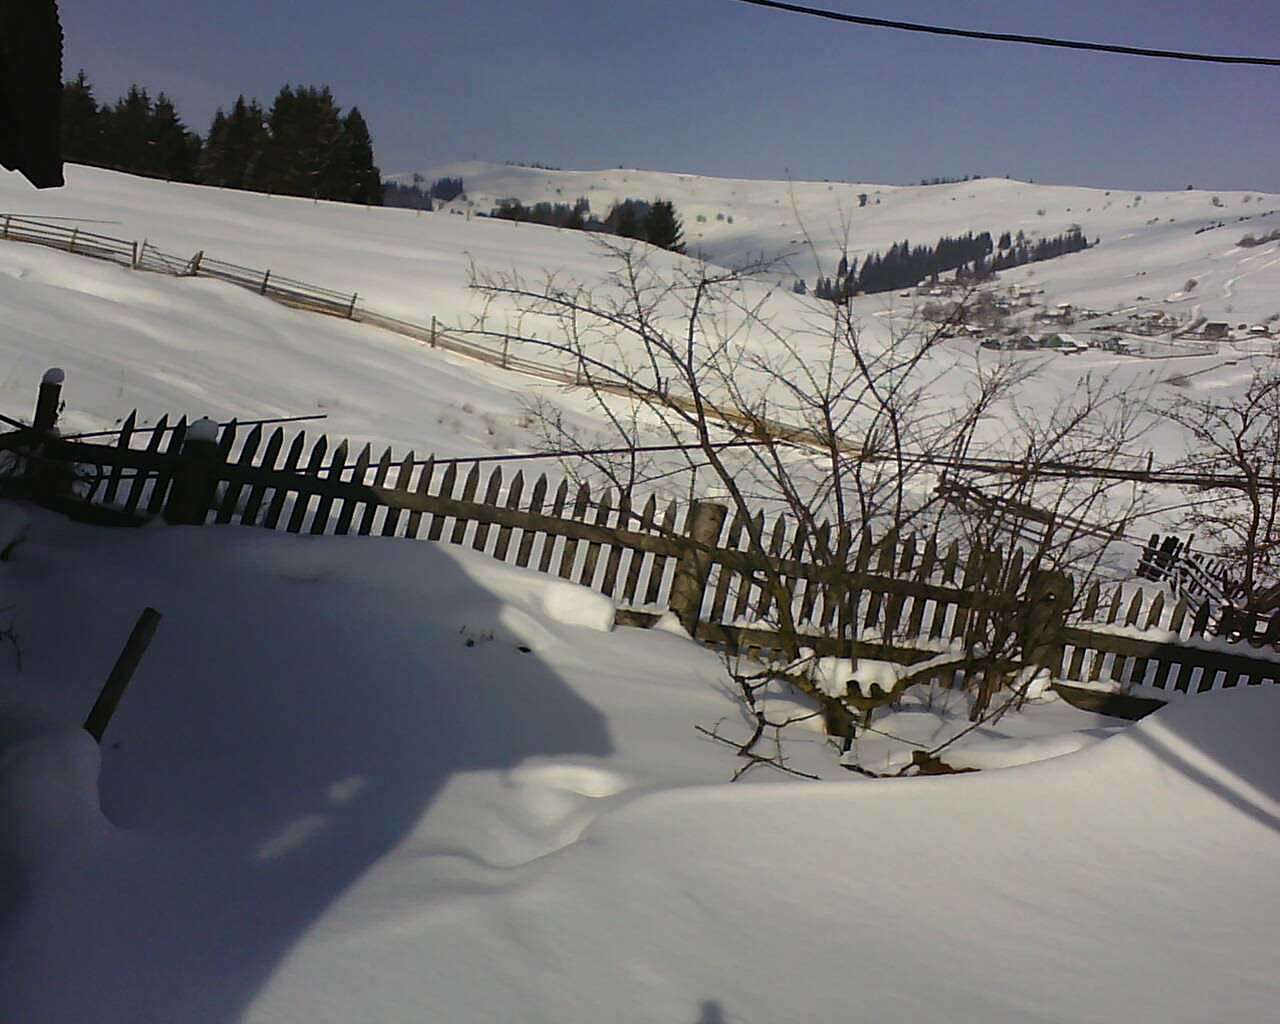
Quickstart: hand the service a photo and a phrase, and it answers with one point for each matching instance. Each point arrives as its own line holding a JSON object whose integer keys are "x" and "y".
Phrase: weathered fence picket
{"x": 347, "y": 513}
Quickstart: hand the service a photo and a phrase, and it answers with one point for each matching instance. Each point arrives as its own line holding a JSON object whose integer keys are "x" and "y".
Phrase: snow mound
{"x": 573, "y": 605}
{"x": 48, "y": 793}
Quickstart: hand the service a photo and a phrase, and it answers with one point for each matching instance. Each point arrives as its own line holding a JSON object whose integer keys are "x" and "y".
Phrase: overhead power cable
{"x": 1012, "y": 37}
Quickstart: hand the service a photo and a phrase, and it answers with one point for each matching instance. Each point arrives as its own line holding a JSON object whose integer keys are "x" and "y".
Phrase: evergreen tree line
{"x": 1017, "y": 251}
{"x": 654, "y": 222}
{"x": 302, "y": 146}
{"x": 420, "y": 195}
{"x": 948, "y": 181}
{"x": 972, "y": 257}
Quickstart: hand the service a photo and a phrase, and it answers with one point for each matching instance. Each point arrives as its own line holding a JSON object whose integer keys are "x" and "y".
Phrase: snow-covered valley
{"x": 371, "y": 779}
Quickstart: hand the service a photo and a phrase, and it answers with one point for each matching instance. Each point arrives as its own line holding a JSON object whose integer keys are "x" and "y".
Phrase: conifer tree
{"x": 173, "y": 150}
{"x": 365, "y": 180}
{"x": 126, "y": 127}
{"x": 211, "y": 170}
{"x": 624, "y": 219}
{"x": 303, "y": 131}
{"x": 82, "y": 140}
{"x": 662, "y": 227}
{"x": 234, "y": 147}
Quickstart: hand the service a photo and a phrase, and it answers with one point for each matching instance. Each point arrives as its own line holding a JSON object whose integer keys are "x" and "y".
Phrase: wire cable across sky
{"x": 1010, "y": 37}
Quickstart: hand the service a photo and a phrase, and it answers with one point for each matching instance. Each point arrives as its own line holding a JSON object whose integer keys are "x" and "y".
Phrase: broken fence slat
{"x": 121, "y": 673}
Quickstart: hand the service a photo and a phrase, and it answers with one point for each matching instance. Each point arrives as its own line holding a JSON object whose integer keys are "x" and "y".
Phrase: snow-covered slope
{"x": 360, "y": 779}
{"x": 365, "y": 779}
{"x": 191, "y": 346}
{"x": 1150, "y": 245}
{"x": 416, "y": 266}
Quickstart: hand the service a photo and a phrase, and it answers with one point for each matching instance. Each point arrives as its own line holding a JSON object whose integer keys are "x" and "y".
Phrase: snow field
{"x": 366, "y": 779}
{"x": 359, "y": 779}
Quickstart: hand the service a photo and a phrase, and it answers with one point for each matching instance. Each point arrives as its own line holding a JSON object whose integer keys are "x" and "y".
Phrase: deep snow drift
{"x": 386, "y": 781}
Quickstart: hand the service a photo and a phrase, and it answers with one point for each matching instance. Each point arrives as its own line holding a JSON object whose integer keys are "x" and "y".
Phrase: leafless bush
{"x": 841, "y": 430}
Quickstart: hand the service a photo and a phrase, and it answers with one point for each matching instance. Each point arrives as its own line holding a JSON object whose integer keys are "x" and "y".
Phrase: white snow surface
{"x": 1149, "y": 239}
{"x": 366, "y": 779}
{"x": 202, "y": 347}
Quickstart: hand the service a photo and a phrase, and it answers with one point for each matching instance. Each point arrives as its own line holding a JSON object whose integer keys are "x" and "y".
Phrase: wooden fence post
{"x": 1049, "y": 597}
{"x": 71, "y": 245}
{"x": 195, "y": 476}
{"x": 195, "y": 263}
{"x": 506, "y": 344}
{"x": 6, "y": 225}
{"x": 265, "y": 278}
{"x": 706, "y": 519}
{"x": 351, "y": 309}
{"x": 46, "y": 479}
{"x": 47, "y": 401}
{"x": 433, "y": 332}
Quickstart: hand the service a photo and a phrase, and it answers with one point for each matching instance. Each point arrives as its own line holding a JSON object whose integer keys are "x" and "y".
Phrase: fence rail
{"x": 73, "y": 239}
{"x": 901, "y": 600}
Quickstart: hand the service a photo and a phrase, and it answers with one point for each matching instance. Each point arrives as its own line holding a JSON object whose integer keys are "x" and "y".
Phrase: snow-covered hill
{"x": 367, "y": 779}
{"x": 1151, "y": 242}
{"x": 417, "y": 265}
{"x": 197, "y": 346}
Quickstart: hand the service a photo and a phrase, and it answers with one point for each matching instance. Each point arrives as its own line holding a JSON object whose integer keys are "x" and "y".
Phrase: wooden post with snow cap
{"x": 693, "y": 568}
{"x": 48, "y": 400}
{"x": 47, "y": 479}
{"x": 195, "y": 476}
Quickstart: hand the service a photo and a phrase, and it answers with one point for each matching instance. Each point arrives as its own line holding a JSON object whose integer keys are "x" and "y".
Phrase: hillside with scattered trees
{"x": 971, "y": 257}
{"x": 655, "y": 222}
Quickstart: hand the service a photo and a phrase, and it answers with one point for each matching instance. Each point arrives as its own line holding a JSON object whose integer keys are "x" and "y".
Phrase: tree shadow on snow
{"x": 293, "y": 721}
{"x": 1231, "y": 734}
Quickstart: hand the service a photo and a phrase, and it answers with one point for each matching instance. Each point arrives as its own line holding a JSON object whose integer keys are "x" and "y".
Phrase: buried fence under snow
{"x": 901, "y": 600}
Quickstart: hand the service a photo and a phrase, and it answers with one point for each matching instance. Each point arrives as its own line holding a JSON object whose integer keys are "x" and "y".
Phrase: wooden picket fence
{"x": 903, "y": 600}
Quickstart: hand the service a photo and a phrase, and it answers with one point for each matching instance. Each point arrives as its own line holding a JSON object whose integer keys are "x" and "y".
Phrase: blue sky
{"x": 716, "y": 87}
